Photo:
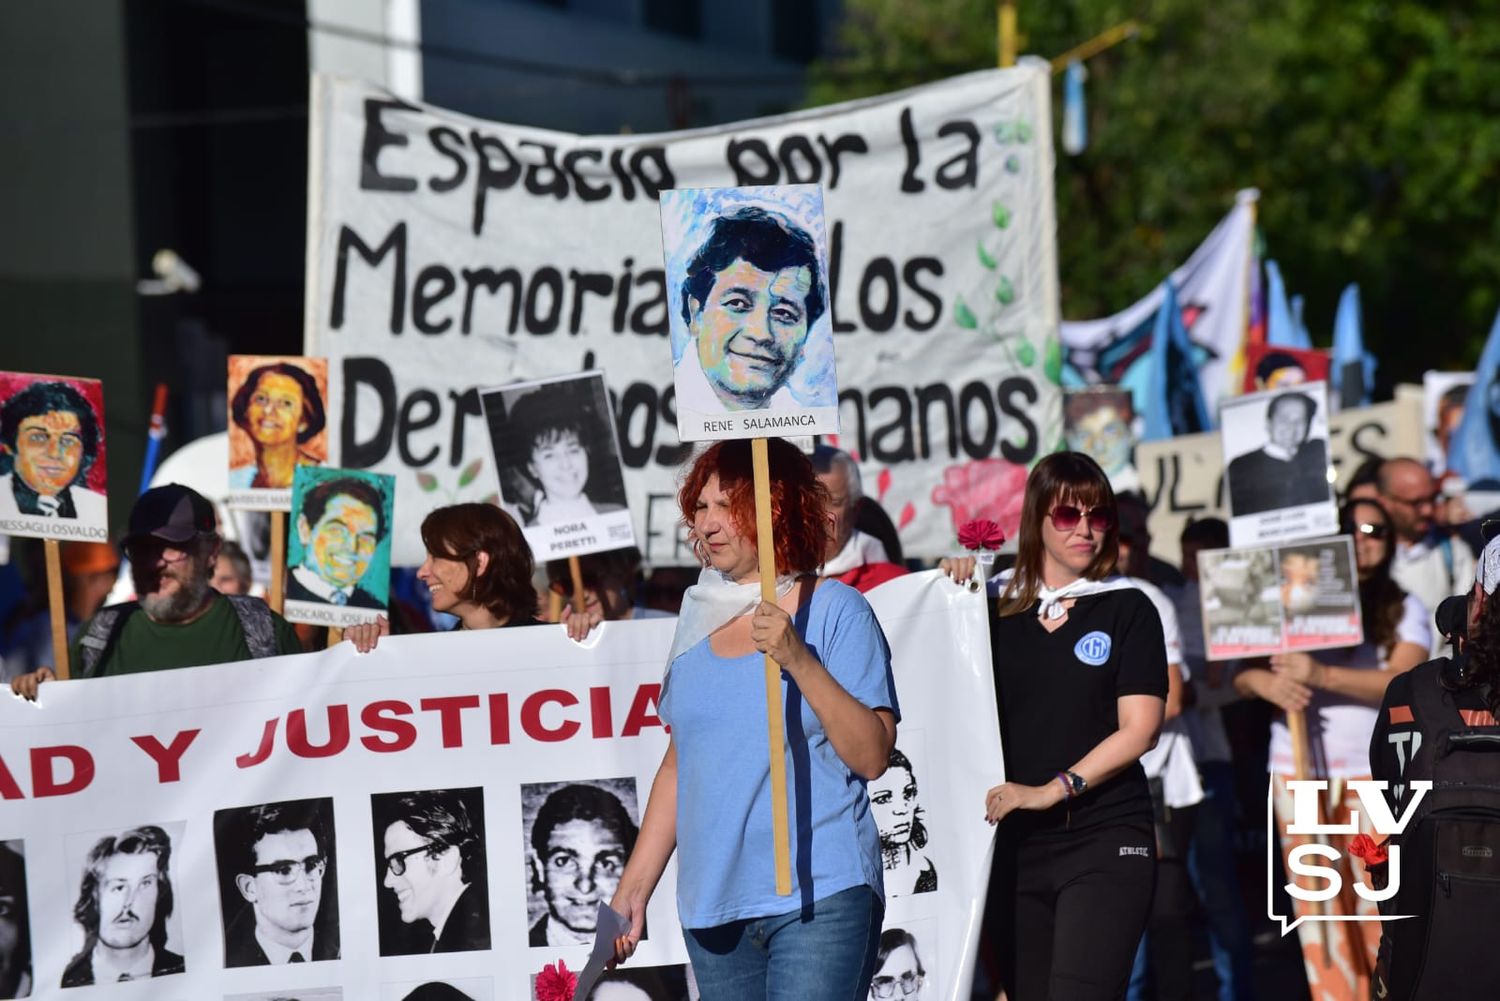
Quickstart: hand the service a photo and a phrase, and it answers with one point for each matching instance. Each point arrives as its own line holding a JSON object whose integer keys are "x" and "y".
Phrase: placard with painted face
{"x": 339, "y": 546}
{"x": 277, "y": 423}
{"x": 1098, "y": 422}
{"x": 747, "y": 296}
{"x": 558, "y": 459}
{"x": 52, "y": 470}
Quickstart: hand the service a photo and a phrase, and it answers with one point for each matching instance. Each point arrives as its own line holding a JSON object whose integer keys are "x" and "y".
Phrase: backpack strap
{"x": 1432, "y": 711}
{"x": 258, "y": 623}
{"x": 102, "y": 634}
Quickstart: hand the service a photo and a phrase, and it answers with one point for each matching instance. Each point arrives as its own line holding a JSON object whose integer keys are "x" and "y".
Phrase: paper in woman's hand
{"x": 610, "y": 927}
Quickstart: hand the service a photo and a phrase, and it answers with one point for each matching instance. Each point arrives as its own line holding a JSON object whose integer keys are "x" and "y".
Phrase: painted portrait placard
{"x": 278, "y": 423}
{"x": 1099, "y": 422}
{"x": 558, "y": 458}
{"x": 339, "y": 546}
{"x": 1276, "y": 461}
{"x": 52, "y": 468}
{"x": 748, "y": 305}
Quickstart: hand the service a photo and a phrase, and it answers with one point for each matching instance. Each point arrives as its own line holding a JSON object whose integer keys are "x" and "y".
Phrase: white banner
{"x": 446, "y": 253}
{"x": 510, "y": 726}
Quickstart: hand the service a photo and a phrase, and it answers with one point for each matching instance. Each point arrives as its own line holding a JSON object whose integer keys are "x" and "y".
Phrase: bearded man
{"x": 177, "y": 619}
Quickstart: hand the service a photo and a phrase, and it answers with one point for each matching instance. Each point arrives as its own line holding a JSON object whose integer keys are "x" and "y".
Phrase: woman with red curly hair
{"x": 711, "y": 800}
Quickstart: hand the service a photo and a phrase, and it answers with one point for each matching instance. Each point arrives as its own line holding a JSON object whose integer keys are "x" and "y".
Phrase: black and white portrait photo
{"x": 430, "y": 865}
{"x": 896, "y": 804}
{"x": 15, "y": 925}
{"x": 278, "y": 883}
{"x": 1276, "y": 460}
{"x": 447, "y": 989}
{"x": 903, "y": 957}
{"x": 578, "y": 836}
{"x": 555, "y": 448}
{"x": 125, "y": 906}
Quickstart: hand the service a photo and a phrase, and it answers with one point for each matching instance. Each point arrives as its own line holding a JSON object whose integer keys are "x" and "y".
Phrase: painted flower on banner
{"x": 556, "y": 983}
{"x": 981, "y": 533}
{"x": 984, "y": 488}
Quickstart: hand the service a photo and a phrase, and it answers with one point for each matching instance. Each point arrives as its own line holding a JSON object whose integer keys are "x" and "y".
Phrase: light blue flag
{"x": 1349, "y": 350}
{"x": 1174, "y": 397}
{"x": 1075, "y": 128}
{"x": 1473, "y": 452}
{"x": 1282, "y": 329}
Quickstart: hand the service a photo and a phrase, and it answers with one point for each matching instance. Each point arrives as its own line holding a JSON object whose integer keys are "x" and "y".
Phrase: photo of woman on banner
{"x": 556, "y": 450}
{"x": 898, "y": 815}
{"x": 52, "y": 471}
{"x": 340, "y": 548}
{"x": 277, "y": 423}
{"x": 752, "y": 342}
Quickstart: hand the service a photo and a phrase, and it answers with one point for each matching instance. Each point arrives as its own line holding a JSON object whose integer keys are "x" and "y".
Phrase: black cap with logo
{"x": 172, "y": 513}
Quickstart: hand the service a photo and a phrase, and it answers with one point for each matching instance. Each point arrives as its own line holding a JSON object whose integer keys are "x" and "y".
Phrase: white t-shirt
{"x": 1338, "y": 727}
{"x": 1172, "y": 757}
{"x": 1422, "y": 570}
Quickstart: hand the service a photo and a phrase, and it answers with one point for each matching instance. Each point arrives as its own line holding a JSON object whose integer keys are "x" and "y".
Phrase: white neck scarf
{"x": 710, "y": 603}
{"x": 1052, "y": 598}
{"x": 859, "y": 550}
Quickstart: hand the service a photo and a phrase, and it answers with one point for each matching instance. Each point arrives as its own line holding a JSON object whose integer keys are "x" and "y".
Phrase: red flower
{"x": 556, "y": 983}
{"x": 1365, "y": 848}
{"x": 981, "y": 533}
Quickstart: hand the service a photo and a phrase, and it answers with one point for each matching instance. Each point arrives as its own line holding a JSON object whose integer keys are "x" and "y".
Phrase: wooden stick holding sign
{"x": 59, "y": 610}
{"x": 575, "y": 571}
{"x": 753, "y": 357}
{"x": 765, "y": 544}
{"x": 276, "y": 591}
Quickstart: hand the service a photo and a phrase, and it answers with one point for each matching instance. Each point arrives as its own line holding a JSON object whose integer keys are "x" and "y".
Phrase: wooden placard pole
{"x": 575, "y": 570}
{"x": 335, "y": 636}
{"x": 1296, "y": 725}
{"x": 766, "y": 550}
{"x": 554, "y": 606}
{"x": 276, "y": 593}
{"x": 59, "y": 610}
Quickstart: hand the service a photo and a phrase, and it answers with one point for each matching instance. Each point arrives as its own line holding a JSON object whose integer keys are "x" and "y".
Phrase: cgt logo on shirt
{"x": 1093, "y": 649}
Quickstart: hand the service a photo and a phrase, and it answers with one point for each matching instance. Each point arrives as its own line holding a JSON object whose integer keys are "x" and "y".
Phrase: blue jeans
{"x": 826, "y": 951}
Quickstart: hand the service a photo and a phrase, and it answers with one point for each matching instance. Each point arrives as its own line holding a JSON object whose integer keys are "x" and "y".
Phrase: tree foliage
{"x": 1372, "y": 130}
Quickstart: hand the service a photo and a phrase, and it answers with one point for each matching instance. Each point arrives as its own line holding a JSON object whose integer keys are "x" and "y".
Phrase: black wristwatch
{"x": 1077, "y": 781}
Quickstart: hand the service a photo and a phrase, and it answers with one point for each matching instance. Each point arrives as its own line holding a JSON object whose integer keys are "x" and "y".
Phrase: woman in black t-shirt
{"x": 1081, "y": 679}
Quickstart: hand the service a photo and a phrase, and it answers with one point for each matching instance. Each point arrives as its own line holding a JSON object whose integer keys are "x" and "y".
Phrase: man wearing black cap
{"x": 177, "y": 619}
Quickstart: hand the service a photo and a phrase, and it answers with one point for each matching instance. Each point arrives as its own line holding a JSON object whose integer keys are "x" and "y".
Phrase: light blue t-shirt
{"x": 716, "y": 708}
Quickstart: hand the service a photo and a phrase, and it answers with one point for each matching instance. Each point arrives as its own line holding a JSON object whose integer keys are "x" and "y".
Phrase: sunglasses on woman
{"x": 1065, "y": 518}
{"x": 1373, "y": 530}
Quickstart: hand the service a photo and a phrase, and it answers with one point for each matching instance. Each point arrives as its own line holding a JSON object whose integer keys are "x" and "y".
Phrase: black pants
{"x": 1067, "y": 913}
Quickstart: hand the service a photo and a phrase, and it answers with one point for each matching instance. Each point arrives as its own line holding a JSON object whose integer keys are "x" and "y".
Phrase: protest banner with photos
{"x": 278, "y": 423}
{"x": 52, "y": 458}
{"x": 288, "y": 804}
{"x": 1278, "y": 599}
{"x": 752, "y": 339}
{"x": 446, "y": 254}
{"x": 558, "y": 457}
{"x": 339, "y": 558}
{"x": 1276, "y": 465}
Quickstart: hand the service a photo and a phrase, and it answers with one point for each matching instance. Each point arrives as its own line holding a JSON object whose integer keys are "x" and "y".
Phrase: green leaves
{"x": 470, "y": 472}
{"x": 427, "y": 482}
{"x": 963, "y": 315}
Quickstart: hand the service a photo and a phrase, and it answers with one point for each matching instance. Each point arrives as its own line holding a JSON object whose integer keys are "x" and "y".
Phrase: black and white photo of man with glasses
{"x": 274, "y": 862}
{"x": 429, "y": 850}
